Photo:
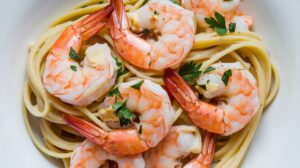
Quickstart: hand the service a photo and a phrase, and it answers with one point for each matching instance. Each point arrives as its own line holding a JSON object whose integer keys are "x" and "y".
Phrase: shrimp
{"x": 174, "y": 30}
{"x": 180, "y": 142}
{"x": 152, "y": 105}
{"x": 229, "y": 9}
{"x": 64, "y": 78}
{"x": 92, "y": 155}
{"x": 236, "y": 102}
{"x": 206, "y": 156}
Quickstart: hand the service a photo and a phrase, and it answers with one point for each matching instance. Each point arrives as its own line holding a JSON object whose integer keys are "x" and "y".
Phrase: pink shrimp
{"x": 150, "y": 103}
{"x": 64, "y": 77}
{"x": 229, "y": 9}
{"x": 90, "y": 155}
{"x": 173, "y": 25}
{"x": 237, "y": 102}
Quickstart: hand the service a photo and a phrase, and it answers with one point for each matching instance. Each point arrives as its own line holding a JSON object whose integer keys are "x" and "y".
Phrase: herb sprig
{"x": 121, "y": 68}
{"x": 73, "y": 54}
{"x": 190, "y": 71}
{"x": 137, "y": 85}
{"x": 125, "y": 115}
{"x": 219, "y": 24}
{"x": 225, "y": 78}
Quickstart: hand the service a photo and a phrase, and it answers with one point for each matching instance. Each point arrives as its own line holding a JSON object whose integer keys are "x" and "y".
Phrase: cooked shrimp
{"x": 172, "y": 25}
{"x": 236, "y": 103}
{"x": 90, "y": 155}
{"x": 206, "y": 156}
{"x": 180, "y": 142}
{"x": 153, "y": 106}
{"x": 63, "y": 76}
{"x": 229, "y": 9}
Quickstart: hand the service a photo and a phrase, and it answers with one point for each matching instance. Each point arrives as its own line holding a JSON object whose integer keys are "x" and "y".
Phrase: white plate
{"x": 276, "y": 143}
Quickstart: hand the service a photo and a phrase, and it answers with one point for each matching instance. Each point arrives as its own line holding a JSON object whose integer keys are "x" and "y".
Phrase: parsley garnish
{"x": 190, "y": 71}
{"x": 232, "y": 27}
{"x": 121, "y": 69}
{"x": 200, "y": 96}
{"x": 145, "y": 1}
{"x": 225, "y": 78}
{"x": 218, "y": 24}
{"x": 73, "y": 54}
{"x": 156, "y": 13}
{"x": 73, "y": 67}
{"x": 125, "y": 115}
{"x": 141, "y": 129}
{"x": 137, "y": 85}
{"x": 203, "y": 87}
{"x": 208, "y": 70}
{"x": 114, "y": 91}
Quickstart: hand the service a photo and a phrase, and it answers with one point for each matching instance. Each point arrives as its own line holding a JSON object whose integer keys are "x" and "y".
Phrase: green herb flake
{"x": 144, "y": 3}
{"x": 203, "y": 87}
{"x": 73, "y": 55}
{"x": 125, "y": 116}
{"x": 117, "y": 105}
{"x": 209, "y": 69}
{"x": 114, "y": 91}
{"x": 121, "y": 69}
{"x": 190, "y": 71}
{"x": 218, "y": 23}
{"x": 73, "y": 67}
{"x": 141, "y": 129}
{"x": 156, "y": 13}
{"x": 200, "y": 96}
{"x": 232, "y": 27}
{"x": 137, "y": 85}
{"x": 225, "y": 78}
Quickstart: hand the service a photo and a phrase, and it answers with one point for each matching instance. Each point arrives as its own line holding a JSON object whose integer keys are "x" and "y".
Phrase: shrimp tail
{"x": 208, "y": 150}
{"x": 86, "y": 129}
{"x": 85, "y": 29}
{"x": 202, "y": 114}
{"x": 180, "y": 90}
{"x": 118, "y": 19}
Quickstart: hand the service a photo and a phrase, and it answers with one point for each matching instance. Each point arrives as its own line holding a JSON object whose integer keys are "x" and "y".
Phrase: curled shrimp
{"x": 236, "y": 102}
{"x": 64, "y": 78}
{"x": 180, "y": 142}
{"x": 92, "y": 155}
{"x": 152, "y": 105}
{"x": 173, "y": 26}
{"x": 206, "y": 156}
{"x": 229, "y": 9}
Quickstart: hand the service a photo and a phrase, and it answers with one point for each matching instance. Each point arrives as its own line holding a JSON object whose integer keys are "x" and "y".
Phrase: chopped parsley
{"x": 114, "y": 91}
{"x": 225, "y": 78}
{"x": 137, "y": 85}
{"x": 200, "y": 96}
{"x": 141, "y": 129}
{"x": 73, "y": 67}
{"x": 219, "y": 25}
{"x": 190, "y": 71}
{"x": 232, "y": 27}
{"x": 156, "y": 13}
{"x": 73, "y": 55}
{"x": 121, "y": 68}
{"x": 125, "y": 115}
{"x": 145, "y": 1}
{"x": 203, "y": 87}
{"x": 209, "y": 69}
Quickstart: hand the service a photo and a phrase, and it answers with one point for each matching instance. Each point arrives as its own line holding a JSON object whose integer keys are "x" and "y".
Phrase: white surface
{"x": 276, "y": 143}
